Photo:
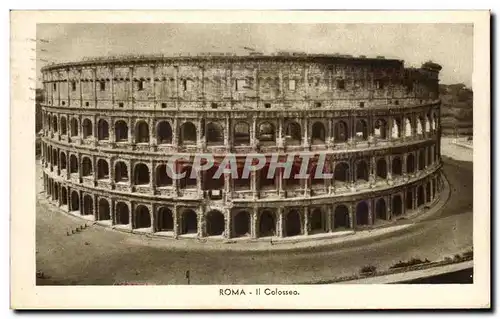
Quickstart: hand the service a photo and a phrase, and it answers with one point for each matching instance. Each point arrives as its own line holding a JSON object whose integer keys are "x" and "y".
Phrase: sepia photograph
{"x": 258, "y": 159}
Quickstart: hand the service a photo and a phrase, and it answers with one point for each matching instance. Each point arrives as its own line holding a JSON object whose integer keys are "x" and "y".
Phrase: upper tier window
{"x": 341, "y": 84}
{"x": 241, "y": 85}
{"x": 73, "y": 86}
{"x": 291, "y": 85}
{"x": 102, "y": 85}
{"x": 55, "y": 86}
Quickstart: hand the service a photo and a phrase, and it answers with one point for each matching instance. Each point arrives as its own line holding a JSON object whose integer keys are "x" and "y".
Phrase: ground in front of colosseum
{"x": 101, "y": 256}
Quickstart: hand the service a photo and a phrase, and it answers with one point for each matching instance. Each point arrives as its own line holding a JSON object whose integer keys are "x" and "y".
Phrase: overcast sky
{"x": 450, "y": 45}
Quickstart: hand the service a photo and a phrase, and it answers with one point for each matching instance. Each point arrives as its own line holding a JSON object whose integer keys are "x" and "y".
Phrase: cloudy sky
{"x": 450, "y": 45}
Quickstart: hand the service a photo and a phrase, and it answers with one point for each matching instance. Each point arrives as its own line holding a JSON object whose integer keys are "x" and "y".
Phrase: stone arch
{"x": 165, "y": 219}
{"x": 382, "y": 168}
{"x": 215, "y": 223}
{"x": 64, "y": 196}
{"x": 410, "y": 163}
{"x": 103, "y": 210}
{"x": 362, "y": 172}
{"x": 122, "y": 214}
{"x": 341, "y": 217}
{"x": 293, "y": 133}
{"x": 188, "y": 133}
{"x": 141, "y": 132}
{"x": 215, "y": 133}
{"x": 340, "y": 132}
{"x": 64, "y": 125}
{"x": 264, "y": 181}
{"x": 55, "y": 158}
{"x": 362, "y": 213}
{"x": 87, "y": 128}
{"x": 141, "y": 174}
{"x": 86, "y": 166}
{"x": 341, "y": 172}
{"x": 189, "y": 222}
{"x": 421, "y": 159}
{"x": 420, "y": 196}
{"x": 427, "y": 124}
{"x": 102, "y": 130}
{"x": 397, "y": 166}
{"x": 408, "y": 127}
{"x": 75, "y": 201}
{"x": 420, "y": 124}
{"x": 409, "y": 199}
{"x": 397, "y": 205}
{"x": 293, "y": 226}
{"x": 63, "y": 161}
{"x": 74, "y": 127}
{"x": 428, "y": 197}
{"x": 54, "y": 123}
{"x": 121, "y": 131}
{"x": 164, "y": 133}
{"x": 56, "y": 191}
{"x": 73, "y": 164}
{"x": 88, "y": 205}
{"x": 121, "y": 172}
{"x": 242, "y": 133}
{"x": 267, "y": 224}
{"x": 316, "y": 220}
{"x": 396, "y": 128}
{"x": 242, "y": 223}
{"x": 162, "y": 176}
{"x": 267, "y": 132}
{"x": 380, "y": 129}
{"x": 102, "y": 169}
{"x": 381, "y": 209}
{"x": 318, "y": 134}
{"x": 142, "y": 217}
{"x": 361, "y": 129}
{"x": 187, "y": 181}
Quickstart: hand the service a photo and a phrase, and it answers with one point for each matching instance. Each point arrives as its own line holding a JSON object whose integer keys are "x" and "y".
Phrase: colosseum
{"x": 110, "y": 123}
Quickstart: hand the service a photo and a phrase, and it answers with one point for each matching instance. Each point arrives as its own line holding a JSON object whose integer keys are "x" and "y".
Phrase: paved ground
{"x": 101, "y": 256}
{"x": 448, "y": 148}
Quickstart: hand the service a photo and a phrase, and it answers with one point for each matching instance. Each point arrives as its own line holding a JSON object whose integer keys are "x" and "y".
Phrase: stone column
{"x": 305, "y": 125}
{"x": 131, "y": 130}
{"x": 228, "y": 234}
{"x": 253, "y": 133}
{"x": 253, "y": 184}
{"x": 281, "y": 222}
{"x": 176, "y": 219}
{"x": 372, "y": 169}
{"x": 371, "y": 218}
{"x": 388, "y": 212}
{"x": 352, "y": 216}
{"x": 306, "y": 220}
{"x": 253, "y": 223}
{"x": 131, "y": 215}
{"x": 227, "y": 129}
{"x": 388, "y": 160}
{"x": 175, "y": 132}
{"x": 280, "y": 139}
{"x": 201, "y": 222}
{"x": 329, "y": 212}
{"x": 152, "y": 180}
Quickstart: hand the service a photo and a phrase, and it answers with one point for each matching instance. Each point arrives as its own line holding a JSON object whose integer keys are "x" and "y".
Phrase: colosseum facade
{"x": 110, "y": 124}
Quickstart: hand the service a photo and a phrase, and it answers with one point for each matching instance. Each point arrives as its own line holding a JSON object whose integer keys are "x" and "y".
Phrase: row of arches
{"x": 266, "y": 132}
{"x": 319, "y": 220}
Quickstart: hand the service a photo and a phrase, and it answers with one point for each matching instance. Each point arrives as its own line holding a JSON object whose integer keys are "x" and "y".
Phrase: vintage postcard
{"x": 261, "y": 160}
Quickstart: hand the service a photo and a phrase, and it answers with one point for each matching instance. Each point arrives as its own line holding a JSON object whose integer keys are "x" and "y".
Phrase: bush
{"x": 468, "y": 254}
{"x": 368, "y": 269}
{"x": 411, "y": 262}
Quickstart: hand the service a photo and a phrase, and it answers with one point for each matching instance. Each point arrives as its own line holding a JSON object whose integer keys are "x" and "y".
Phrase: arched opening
{"x": 420, "y": 196}
{"x": 340, "y": 132}
{"x": 74, "y": 127}
{"x": 88, "y": 205}
{"x": 141, "y": 132}
{"x": 121, "y": 172}
{"x": 102, "y": 130}
{"x": 55, "y": 158}
{"x": 215, "y": 134}
{"x": 396, "y": 128}
{"x": 428, "y": 197}
{"x": 341, "y": 172}
{"x": 427, "y": 124}
{"x": 380, "y": 129}
{"x": 63, "y": 161}
{"x": 318, "y": 133}
{"x": 189, "y": 222}
{"x": 266, "y": 133}
{"x": 86, "y": 166}
{"x": 215, "y": 223}
{"x": 267, "y": 224}
{"x": 64, "y": 196}
{"x": 73, "y": 164}
{"x": 188, "y": 134}
{"x": 162, "y": 176}
{"x": 420, "y": 130}
{"x": 316, "y": 221}
{"x": 410, "y": 163}
{"x": 141, "y": 174}
{"x": 397, "y": 168}
{"x": 397, "y": 205}
{"x": 293, "y": 133}
{"x": 341, "y": 217}
{"x": 75, "y": 202}
{"x": 210, "y": 181}
{"x": 122, "y": 214}
{"x": 409, "y": 200}
{"x": 362, "y": 171}
{"x": 241, "y": 182}
{"x": 408, "y": 128}
{"x": 382, "y": 168}
{"x": 429, "y": 156}
{"x": 142, "y": 217}
{"x": 293, "y": 223}
{"x": 121, "y": 131}
{"x": 54, "y": 123}
{"x": 102, "y": 169}
{"x": 164, "y": 133}
{"x": 293, "y": 180}
{"x": 87, "y": 128}
{"x": 380, "y": 209}
{"x": 362, "y": 213}
{"x": 103, "y": 213}
{"x": 165, "y": 219}
{"x": 242, "y": 224}
{"x": 361, "y": 130}
{"x": 187, "y": 181}
{"x": 421, "y": 160}
{"x": 242, "y": 134}
{"x": 64, "y": 126}
{"x": 56, "y": 191}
